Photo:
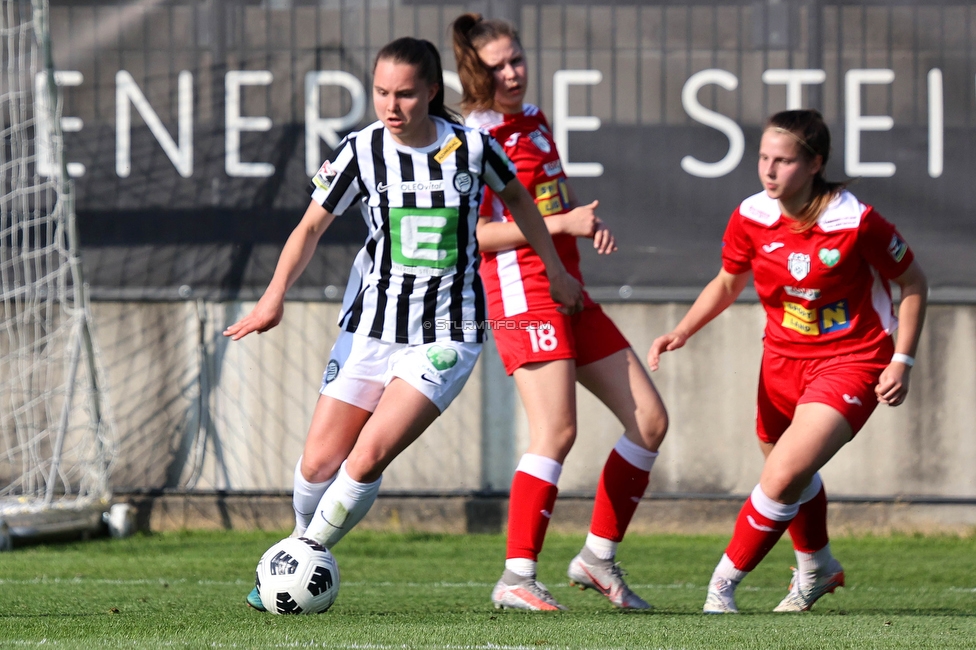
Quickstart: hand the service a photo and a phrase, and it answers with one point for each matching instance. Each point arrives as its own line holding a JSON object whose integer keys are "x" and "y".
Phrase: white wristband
{"x": 903, "y": 358}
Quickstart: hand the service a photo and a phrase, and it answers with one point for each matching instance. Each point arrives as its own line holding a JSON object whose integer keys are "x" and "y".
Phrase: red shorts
{"x": 547, "y": 335}
{"x": 845, "y": 383}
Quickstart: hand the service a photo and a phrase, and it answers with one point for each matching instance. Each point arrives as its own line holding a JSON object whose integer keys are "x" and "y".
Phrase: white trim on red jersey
{"x": 485, "y": 120}
{"x": 844, "y": 212}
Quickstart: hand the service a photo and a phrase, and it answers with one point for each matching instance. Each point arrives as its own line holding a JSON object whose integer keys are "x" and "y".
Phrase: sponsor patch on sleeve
{"x": 897, "y": 248}
{"x": 324, "y": 176}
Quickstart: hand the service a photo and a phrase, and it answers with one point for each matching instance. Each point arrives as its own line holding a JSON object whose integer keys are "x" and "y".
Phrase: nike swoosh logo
{"x": 852, "y": 400}
{"x": 546, "y": 514}
{"x": 758, "y": 526}
{"x": 382, "y": 187}
{"x": 769, "y": 248}
{"x": 322, "y": 512}
{"x": 426, "y": 378}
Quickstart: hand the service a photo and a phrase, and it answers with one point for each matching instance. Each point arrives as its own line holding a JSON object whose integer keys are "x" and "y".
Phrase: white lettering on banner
{"x": 794, "y": 81}
{"x": 317, "y": 128}
{"x": 126, "y": 91}
{"x": 45, "y": 157}
{"x": 854, "y": 123}
{"x": 234, "y": 123}
{"x": 563, "y": 122}
{"x": 327, "y": 128}
{"x": 697, "y": 112}
{"x": 936, "y": 117}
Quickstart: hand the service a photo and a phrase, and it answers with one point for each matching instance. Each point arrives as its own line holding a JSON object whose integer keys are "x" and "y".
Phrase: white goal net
{"x": 55, "y": 440}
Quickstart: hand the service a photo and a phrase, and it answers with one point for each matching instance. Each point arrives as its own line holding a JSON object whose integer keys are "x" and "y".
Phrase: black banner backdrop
{"x": 166, "y": 210}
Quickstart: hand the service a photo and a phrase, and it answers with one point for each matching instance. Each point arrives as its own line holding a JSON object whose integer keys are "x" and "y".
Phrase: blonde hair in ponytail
{"x": 812, "y": 136}
{"x": 470, "y": 32}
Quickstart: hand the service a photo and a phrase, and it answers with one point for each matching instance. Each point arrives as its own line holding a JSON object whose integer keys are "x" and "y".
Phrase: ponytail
{"x": 471, "y": 32}
{"x": 423, "y": 56}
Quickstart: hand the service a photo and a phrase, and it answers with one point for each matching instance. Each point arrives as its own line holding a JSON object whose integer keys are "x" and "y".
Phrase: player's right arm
{"x": 712, "y": 301}
{"x": 295, "y": 255}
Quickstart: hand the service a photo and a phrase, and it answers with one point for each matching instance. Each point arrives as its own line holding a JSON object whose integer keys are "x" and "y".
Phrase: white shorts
{"x": 361, "y": 367}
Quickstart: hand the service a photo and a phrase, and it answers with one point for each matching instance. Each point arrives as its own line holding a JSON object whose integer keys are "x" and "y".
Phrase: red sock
{"x": 809, "y": 528}
{"x": 754, "y": 536}
{"x": 529, "y": 508}
{"x": 619, "y": 491}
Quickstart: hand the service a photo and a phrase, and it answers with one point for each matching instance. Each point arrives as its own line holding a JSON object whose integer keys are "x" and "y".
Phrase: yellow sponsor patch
{"x": 801, "y": 312}
{"x": 546, "y": 190}
{"x": 799, "y": 318}
{"x": 801, "y": 326}
{"x": 550, "y": 206}
{"x": 449, "y": 148}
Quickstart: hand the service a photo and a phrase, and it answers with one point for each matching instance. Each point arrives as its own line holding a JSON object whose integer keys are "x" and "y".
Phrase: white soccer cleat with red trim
{"x": 587, "y": 571}
{"x": 802, "y": 597}
{"x": 518, "y": 592}
{"x": 721, "y": 597}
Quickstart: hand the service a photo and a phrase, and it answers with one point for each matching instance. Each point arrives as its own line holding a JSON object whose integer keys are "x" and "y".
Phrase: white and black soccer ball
{"x": 297, "y": 576}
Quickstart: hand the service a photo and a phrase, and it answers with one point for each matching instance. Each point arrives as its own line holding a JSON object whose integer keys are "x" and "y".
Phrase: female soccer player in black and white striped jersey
{"x": 412, "y": 315}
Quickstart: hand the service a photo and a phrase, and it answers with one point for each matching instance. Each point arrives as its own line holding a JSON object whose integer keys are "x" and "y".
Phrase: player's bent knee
{"x": 653, "y": 426}
{"x": 318, "y": 469}
{"x": 366, "y": 465}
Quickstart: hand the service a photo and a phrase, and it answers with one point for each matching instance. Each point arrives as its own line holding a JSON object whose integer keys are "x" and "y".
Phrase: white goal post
{"x": 56, "y": 441}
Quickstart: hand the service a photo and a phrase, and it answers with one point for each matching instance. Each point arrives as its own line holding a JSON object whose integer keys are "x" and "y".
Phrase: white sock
{"x": 773, "y": 509}
{"x": 635, "y": 454}
{"x": 342, "y": 506}
{"x": 305, "y": 499}
{"x": 601, "y": 547}
{"x": 521, "y": 566}
{"x": 726, "y": 569}
{"x": 809, "y": 565}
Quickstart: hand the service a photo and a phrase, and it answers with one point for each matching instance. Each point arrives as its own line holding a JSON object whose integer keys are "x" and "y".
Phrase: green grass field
{"x": 432, "y": 591}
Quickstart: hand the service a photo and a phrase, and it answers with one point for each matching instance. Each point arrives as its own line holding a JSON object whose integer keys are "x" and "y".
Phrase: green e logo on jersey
{"x": 424, "y": 237}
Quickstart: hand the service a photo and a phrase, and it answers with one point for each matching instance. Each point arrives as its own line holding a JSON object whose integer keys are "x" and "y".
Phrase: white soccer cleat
{"x": 518, "y": 592}
{"x": 802, "y": 597}
{"x": 587, "y": 571}
{"x": 721, "y": 597}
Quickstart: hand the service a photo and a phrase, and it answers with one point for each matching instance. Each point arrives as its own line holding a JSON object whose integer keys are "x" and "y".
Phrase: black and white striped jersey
{"x": 416, "y": 278}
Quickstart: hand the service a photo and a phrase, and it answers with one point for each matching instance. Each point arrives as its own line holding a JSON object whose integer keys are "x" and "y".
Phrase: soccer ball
{"x": 297, "y": 576}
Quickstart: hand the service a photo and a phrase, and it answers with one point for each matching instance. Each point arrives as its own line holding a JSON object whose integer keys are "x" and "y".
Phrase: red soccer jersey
{"x": 825, "y": 290}
{"x": 515, "y": 280}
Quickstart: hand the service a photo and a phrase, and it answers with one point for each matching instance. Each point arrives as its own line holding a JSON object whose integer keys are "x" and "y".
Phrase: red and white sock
{"x": 761, "y": 523}
{"x": 622, "y": 484}
{"x": 809, "y": 531}
{"x": 530, "y": 506}
{"x": 809, "y": 528}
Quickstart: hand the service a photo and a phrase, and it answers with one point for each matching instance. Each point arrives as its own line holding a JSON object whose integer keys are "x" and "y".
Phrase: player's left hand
{"x": 603, "y": 240}
{"x": 892, "y": 386}
{"x": 265, "y": 315}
